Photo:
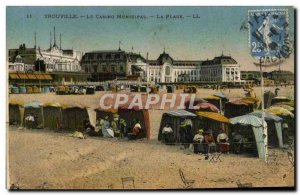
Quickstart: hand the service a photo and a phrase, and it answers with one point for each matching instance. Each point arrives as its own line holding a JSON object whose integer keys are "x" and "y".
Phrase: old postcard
{"x": 150, "y": 98}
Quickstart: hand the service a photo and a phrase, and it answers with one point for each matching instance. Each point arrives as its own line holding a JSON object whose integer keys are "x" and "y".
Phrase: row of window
{"x": 107, "y": 56}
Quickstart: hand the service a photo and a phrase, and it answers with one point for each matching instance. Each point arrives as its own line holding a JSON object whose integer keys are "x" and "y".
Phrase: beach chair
{"x": 187, "y": 182}
{"x": 215, "y": 157}
{"x": 126, "y": 180}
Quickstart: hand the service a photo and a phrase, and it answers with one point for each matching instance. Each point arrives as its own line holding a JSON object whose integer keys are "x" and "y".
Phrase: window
{"x": 117, "y": 56}
{"x": 99, "y": 56}
{"x": 121, "y": 69}
{"x": 90, "y": 56}
{"x": 168, "y": 70}
{"x": 108, "y": 56}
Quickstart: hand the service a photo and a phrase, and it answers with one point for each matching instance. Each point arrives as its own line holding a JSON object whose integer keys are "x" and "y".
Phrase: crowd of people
{"x": 203, "y": 142}
{"x": 117, "y": 127}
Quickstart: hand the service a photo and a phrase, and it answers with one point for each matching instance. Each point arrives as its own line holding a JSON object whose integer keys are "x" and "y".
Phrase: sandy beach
{"x": 43, "y": 159}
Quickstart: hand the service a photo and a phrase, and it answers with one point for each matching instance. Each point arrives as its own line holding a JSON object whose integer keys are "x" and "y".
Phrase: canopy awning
{"x": 280, "y": 111}
{"x": 212, "y": 97}
{"x": 251, "y": 99}
{"x": 22, "y": 76}
{"x": 13, "y": 76}
{"x": 206, "y": 105}
{"x": 31, "y": 76}
{"x": 214, "y": 116}
{"x": 247, "y": 120}
{"x": 52, "y": 104}
{"x": 107, "y": 110}
{"x": 34, "y": 104}
{"x": 16, "y": 102}
{"x": 268, "y": 116}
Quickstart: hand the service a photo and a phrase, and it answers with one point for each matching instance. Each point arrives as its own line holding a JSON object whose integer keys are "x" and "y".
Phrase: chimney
{"x": 147, "y": 56}
{"x": 34, "y": 40}
{"x": 50, "y": 40}
{"x": 54, "y": 44}
{"x": 60, "y": 41}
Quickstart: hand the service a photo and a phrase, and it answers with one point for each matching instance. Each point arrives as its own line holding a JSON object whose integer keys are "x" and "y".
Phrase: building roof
{"x": 220, "y": 60}
{"x": 106, "y": 51}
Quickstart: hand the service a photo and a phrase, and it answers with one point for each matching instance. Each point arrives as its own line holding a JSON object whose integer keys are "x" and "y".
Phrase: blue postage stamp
{"x": 268, "y": 32}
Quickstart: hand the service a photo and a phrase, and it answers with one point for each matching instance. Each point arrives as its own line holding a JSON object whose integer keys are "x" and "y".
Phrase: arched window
{"x": 168, "y": 70}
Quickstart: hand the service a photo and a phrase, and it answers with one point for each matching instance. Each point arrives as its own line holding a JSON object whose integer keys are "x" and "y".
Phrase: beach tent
{"x": 171, "y": 88}
{"x": 90, "y": 90}
{"x": 15, "y": 90}
{"x": 46, "y": 89}
{"x": 257, "y": 129}
{"x": 174, "y": 118}
{"x": 73, "y": 117}
{"x": 15, "y": 112}
{"x": 213, "y": 121}
{"x": 141, "y": 115}
{"x": 52, "y": 115}
{"x": 36, "y": 109}
{"x": 285, "y": 106}
{"x": 238, "y": 108}
{"x": 290, "y": 103}
{"x": 101, "y": 88}
{"x": 274, "y": 127}
{"x": 280, "y": 111}
{"x": 279, "y": 99}
{"x": 134, "y": 88}
{"x": 287, "y": 116}
{"x": 22, "y": 89}
{"x": 268, "y": 96}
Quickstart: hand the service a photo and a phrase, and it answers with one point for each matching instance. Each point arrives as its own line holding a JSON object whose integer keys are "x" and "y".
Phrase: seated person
{"x": 136, "y": 131}
{"x": 168, "y": 134}
{"x": 97, "y": 130}
{"x": 209, "y": 141}
{"x": 222, "y": 140}
{"x": 106, "y": 129}
{"x": 237, "y": 142}
{"x": 198, "y": 140}
{"x": 30, "y": 121}
{"x": 123, "y": 125}
{"x": 115, "y": 125}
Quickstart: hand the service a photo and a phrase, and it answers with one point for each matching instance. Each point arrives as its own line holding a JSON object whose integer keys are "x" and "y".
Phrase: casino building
{"x": 221, "y": 69}
{"x": 112, "y": 64}
{"x": 49, "y": 60}
{"x": 61, "y": 65}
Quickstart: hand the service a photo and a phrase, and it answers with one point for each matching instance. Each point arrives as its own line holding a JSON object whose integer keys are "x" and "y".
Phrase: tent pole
{"x": 265, "y": 131}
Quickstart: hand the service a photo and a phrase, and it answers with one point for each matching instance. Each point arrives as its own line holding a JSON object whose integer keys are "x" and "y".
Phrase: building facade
{"x": 53, "y": 59}
{"x": 112, "y": 64}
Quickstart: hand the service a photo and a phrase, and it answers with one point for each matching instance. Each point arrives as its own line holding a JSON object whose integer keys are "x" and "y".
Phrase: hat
{"x": 200, "y": 130}
{"x": 106, "y": 117}
{"x": 115, "y": 115}
{"x": 182, "y": 124}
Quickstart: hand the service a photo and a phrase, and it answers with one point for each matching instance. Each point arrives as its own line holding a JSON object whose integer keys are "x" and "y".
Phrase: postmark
{"x": 269, "y": 39}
